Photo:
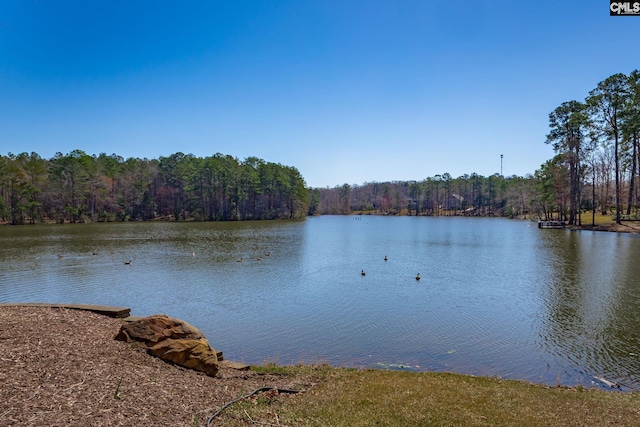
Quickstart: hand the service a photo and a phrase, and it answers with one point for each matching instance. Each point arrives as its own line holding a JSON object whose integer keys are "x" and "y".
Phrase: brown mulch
{"x": 61, "y": 367}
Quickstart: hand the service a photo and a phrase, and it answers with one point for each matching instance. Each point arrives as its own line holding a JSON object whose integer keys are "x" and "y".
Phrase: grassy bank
{"x": 607, "y": 223}
{"x": 349, "y": 397}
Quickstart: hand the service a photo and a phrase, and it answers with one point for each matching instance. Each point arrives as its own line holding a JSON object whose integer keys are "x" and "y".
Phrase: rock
{"x": 192, "y": 354}
{"x": 153, "y": 329}
{"x": 238, "y": 366}
{"x": 172, "y": 340}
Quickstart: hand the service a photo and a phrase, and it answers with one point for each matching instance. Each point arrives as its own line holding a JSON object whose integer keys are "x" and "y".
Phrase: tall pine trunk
{"x": 632, "y": 177}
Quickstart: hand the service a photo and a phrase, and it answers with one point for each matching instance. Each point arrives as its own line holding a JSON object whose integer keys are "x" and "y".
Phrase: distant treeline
{"x": 472, "y": 195}
{"x": 78, "y": 187}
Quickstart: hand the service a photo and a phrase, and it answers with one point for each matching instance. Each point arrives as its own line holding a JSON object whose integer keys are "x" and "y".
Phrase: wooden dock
{"x": 551, "y": 224}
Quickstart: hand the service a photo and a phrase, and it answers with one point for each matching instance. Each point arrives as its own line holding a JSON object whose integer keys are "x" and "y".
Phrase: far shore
{"x": 602, "y": 222}
{"x": 625, "y": 227}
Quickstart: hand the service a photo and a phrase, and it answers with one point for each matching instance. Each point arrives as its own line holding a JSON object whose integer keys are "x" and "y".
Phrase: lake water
{"x": 497, "y": 297}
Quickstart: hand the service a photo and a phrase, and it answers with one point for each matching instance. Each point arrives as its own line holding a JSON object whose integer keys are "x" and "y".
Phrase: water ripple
{"x": 497, "y": 297}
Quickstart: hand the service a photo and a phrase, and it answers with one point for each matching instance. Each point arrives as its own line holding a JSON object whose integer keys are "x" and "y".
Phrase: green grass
{"x": 599, "y": 219}
{"x": 350, "y": 397}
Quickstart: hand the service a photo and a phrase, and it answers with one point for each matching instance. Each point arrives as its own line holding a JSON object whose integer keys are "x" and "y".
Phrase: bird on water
{"x": 418, "y": 276}
{"x": 127, "y": 262}
{"x": 362, "y": 273}
{"x": 385, "y": 257}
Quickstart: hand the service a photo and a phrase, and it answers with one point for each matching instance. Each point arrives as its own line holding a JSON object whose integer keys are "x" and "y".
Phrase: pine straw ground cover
{"x": 61, "y": 367}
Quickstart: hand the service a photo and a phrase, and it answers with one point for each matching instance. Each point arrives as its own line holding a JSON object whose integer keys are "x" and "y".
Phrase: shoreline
{"x": 626, "y": 227}
{"x": 63, "y": 367}
{"x": 123, "y": 315}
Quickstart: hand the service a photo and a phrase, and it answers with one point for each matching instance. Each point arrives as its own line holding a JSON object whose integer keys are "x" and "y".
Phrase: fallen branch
{"x": 258, "y": 390}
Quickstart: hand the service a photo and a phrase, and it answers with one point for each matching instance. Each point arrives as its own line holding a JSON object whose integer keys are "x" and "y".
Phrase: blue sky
{"x": 345, "y": 91}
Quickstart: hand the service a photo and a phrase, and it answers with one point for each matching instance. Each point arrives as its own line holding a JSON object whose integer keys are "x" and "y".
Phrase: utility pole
{"x": 501, "y": 164}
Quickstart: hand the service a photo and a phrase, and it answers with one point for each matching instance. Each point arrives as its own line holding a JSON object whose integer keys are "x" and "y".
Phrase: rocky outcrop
{"x": 172, "y": 340}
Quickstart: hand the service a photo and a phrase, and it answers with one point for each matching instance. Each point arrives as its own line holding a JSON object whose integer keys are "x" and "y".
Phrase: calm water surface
{"x": 497, "y": 297}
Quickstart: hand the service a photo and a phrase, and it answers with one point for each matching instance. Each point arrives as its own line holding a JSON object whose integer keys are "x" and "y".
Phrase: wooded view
{"x": 595, "y": 169}
{"x": 78, "y": 187}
